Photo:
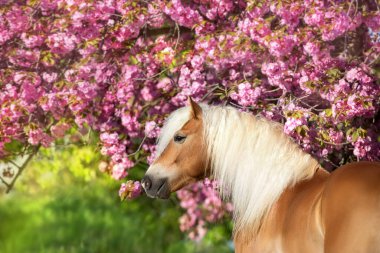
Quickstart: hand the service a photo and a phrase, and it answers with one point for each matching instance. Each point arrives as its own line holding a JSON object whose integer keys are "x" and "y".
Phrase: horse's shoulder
{"x": 355, "y": 186}
{"x": 350, "y": 204}
{"x": 355, "y": 176}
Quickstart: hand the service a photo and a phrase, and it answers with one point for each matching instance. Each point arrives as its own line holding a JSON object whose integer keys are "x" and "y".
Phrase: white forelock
{"x": 172, "y": 124}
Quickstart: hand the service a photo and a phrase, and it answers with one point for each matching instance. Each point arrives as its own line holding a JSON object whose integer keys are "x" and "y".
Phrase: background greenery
{"x": 63, "y": 204}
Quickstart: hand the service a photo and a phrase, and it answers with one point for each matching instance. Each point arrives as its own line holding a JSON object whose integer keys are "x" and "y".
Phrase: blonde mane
{"x": 251, "y": 157}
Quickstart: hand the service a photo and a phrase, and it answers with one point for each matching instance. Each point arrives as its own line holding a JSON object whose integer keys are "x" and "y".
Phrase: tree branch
{"x": 12, "y": 162}
{"x": 20, "y": 170}
{"x": 139, "y": 148}
{"x": 4, "y": 182}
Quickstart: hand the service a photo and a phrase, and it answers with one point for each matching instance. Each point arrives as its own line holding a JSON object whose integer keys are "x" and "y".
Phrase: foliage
{"x": 63, "y": 205}
{"x": 116, "y": 68}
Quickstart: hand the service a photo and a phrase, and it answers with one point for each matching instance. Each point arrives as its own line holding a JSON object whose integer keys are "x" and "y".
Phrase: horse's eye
{"x": 179, "y": 138}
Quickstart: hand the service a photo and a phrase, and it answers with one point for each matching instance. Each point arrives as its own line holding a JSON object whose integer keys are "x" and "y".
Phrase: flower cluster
{"x": 203, "y": 206}
{"x": 118, "y": 67}
{"x": 130, "y": 190}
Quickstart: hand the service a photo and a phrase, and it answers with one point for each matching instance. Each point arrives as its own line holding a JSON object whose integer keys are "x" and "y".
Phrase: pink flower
{"x": 62, "y": 43}
{"x": 130, "y": 190}
{"x": 165, "y": 84}
{"x": 131, "y": 124}
{"x": 196, "y": 61}
{"x": 25, "y": 58}
{"x": 49, "y": 77}
{"x": 35, "y": 136}
{"x": 246, "y": 95}
{"x": 281, "y": 47}
{"x": 109, "y": 138}
{"x": 32, "y": 41}
{"x": 147, "y": 94}
{"x": 39, "y": 137}
{"x": 202, "y": 204}
{"x": 17, "y": 19}
{"x": 151, "y": 129}
{"x": 59, "y": 130}
{"x": 119, "y": 172}
{"x": 311, "y": 48}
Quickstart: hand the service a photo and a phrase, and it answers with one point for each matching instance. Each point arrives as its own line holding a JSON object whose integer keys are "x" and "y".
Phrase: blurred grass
{"x": 62, "y": 204}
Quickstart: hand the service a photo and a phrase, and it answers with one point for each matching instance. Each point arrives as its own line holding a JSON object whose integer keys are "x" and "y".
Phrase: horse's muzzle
{"x": 156, "y": 187}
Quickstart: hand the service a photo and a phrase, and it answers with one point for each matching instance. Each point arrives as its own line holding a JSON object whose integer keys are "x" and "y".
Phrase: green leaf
{"x": 325, "y": 136}
{"x": 133, "y": 60}
{"x": 355, "y": 136}
{"x": 13, "y": 146}
{"x": 349, "y": 131}
{"x": 328, "y": 112}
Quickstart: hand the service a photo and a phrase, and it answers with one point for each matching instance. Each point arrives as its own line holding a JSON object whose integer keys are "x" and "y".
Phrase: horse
{"x": 283, "y": 200}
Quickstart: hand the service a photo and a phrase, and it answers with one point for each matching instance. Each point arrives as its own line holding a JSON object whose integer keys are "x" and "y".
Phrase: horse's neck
{"x": 298, "y": 202}
{"x": 254, "y": 162}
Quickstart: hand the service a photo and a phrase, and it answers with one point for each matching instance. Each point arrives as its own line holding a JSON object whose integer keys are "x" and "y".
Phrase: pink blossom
{"x": 246, "y": 95}
{"x": 119, "y": 172}
{"x": 292, "y": 123}
{"x": 39, "y": 137}
{"x": 281, "y": 47}
{"x": 25, "y": 58}
{"x": 130, "y": 123}
{"x": 202, "y": 205}
{"x": 62, "y": 43}
{"x": 184, "y": 15}
{"x": 165, "y": 84}
{"x": 32, "y": 41}
{"x": 151, "y": 129}
{"x": 49, "y": 77}
{"x": 59, "y": 130}
{"x": 130, "y": 189}
{"x": 311, "y": 48}
{"x": 17, "y": 19}
{"x": 109, "y": 138}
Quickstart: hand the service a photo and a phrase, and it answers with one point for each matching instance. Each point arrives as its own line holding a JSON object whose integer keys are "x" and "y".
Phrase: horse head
{"x": 181, "y": 155}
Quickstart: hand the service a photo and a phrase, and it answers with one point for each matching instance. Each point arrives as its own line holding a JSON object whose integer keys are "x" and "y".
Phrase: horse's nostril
{"x": 146, "y": 183}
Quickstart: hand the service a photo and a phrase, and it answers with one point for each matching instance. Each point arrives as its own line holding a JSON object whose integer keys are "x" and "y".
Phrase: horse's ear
{"x": 196, "y": 110}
